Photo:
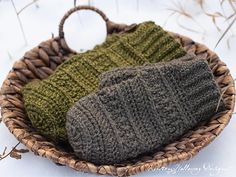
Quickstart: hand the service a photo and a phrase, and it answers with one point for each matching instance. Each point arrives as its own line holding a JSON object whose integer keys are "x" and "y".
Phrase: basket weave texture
{"x": 41, "y": 61}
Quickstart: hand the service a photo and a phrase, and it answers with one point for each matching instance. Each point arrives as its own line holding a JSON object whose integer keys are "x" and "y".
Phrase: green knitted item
{"x": 48, "y": 101}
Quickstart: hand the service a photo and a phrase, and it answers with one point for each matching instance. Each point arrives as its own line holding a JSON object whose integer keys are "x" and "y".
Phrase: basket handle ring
{"x": 111, "y": 27}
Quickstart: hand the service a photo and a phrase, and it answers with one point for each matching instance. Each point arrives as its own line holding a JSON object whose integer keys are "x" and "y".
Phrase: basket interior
{"x": 41, "y": 61}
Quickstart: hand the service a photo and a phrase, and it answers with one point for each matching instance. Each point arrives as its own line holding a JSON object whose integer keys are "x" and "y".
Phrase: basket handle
{"x": 112, "y": 27}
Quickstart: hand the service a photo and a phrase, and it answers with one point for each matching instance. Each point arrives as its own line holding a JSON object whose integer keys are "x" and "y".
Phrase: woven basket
{"x": 41, "y": 61}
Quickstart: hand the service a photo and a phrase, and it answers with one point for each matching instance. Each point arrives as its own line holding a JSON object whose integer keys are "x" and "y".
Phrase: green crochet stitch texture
{"x": 47, "y": 101}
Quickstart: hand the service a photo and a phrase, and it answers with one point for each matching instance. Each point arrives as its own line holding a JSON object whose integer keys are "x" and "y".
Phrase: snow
{"x": 84, "y": 30}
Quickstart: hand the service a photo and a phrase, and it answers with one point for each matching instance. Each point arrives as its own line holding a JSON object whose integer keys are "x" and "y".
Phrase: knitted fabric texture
{"x": 138, "y": 110}
{"x": 47, "y": 101}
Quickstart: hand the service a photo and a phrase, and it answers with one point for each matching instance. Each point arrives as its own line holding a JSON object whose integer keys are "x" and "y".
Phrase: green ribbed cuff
{"x": 148, "y": 43}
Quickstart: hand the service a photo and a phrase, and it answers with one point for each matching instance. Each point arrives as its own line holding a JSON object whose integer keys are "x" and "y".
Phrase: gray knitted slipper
{"x": 149, "y": 107}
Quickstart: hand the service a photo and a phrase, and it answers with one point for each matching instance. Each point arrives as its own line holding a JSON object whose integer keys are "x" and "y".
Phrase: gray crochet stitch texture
{"x": 137, "y": 110}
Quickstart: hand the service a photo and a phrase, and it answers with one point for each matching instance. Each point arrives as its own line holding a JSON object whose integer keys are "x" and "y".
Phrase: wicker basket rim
{"x": 41, "y": 61}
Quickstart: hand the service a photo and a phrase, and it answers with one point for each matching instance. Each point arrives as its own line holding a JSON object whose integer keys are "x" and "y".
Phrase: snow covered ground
{"x": 86, "y": 29}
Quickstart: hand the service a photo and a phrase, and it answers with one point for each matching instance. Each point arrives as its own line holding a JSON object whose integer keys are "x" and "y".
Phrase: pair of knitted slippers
{"x": 48, "y": 101}
{"x": 128, "y": 111}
